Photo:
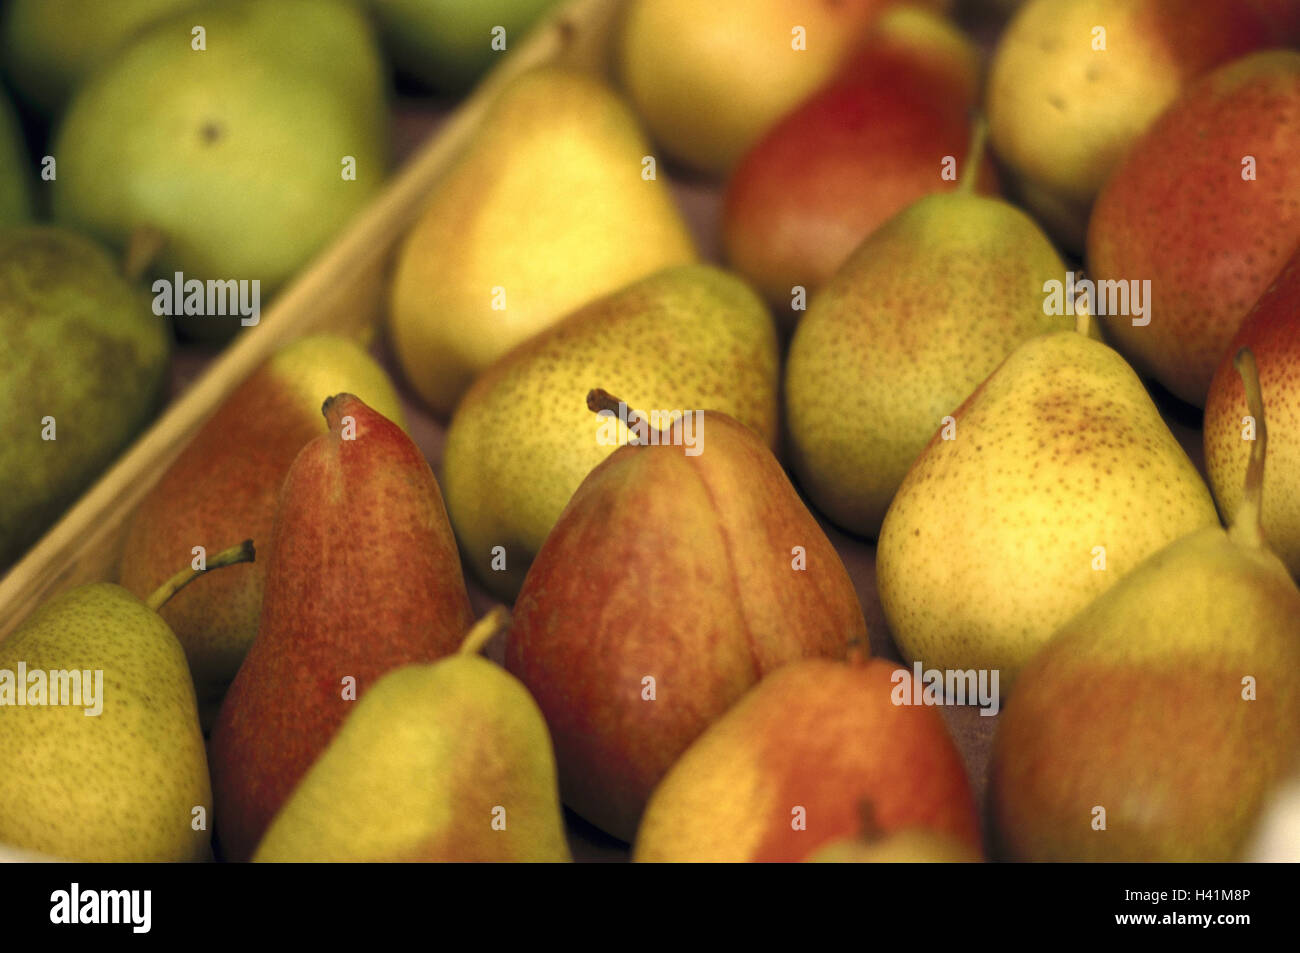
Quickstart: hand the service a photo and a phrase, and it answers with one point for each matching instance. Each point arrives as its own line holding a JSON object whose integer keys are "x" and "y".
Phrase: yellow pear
{"x": 522, "y": 440}
{"x": 550, "y": 207}
{"x": 443, "y": 762}
{"x": 1053, "y": 480}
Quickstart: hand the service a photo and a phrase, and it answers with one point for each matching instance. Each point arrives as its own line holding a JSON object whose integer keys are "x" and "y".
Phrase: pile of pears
{"x": 723, "y": 399}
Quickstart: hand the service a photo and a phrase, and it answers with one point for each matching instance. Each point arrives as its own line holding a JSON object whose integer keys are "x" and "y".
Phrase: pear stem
{"x": 602, "y": 401}
{"x": 482, "y": 631}
{"x": 243, "y": 553}
{"x": 871, "y": 831}
{"x": 974, "y": 156}
{"x": 142, "y": 249}
{"x": 1246, "y": 528}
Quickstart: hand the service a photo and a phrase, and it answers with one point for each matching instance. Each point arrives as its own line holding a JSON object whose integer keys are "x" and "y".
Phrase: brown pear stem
{"x": 599, "y": 401}
{"x": 870, "y": 832}
{"x": 482, "y": 631}
{"x": 1246, "y": 528}
{"x": 243, "y": 553}
{"x": 142, "y": 250}
{"x": 974, "y": 156}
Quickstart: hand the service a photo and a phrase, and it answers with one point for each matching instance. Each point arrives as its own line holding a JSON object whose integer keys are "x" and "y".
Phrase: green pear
{"x": 1167, "y": 709}
{"x": 919, "y": 315}
{"x": 111, "y": 766}
{"x": 237, "y": 154}
{"x": 443, "y": 762}
{"x": 83, "y": 363}
{"x": 49, "y": 47}
{"x": 1055, "y": 479}
{"x": 547, "y": 210}
{"x": 523, "y": 440}
{"x": 450, "y": 43}
{"x": 15, "y": 169}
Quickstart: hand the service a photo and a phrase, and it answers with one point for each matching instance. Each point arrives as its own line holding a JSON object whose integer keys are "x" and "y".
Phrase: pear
{"x": 1158, "y": 720}
{"x": 1073, "y": 83}
{"x": 449, "y": 44}
{"x": 684, "y": 336}
{"x": 546, "y": 210}
{"x": 363, "y": 577}
{"x": 1272, "y": 332}
{"x": 247, "y": 156}
{"x": 1213, "y": 181}
{"x": 83, "y": 365}
{"x": 442, "y": 762}
{"x": 709, "y": 79}
{"x": 15, "y": 170}
{"x": 911, "y": 846}
{"x": 50, "y": 47}
{"x": 859, "y": 150}
{"x": 920, "y": 314}
{"x": 113, "y": 768}
{"x": 1054, "y": 479}
{"x": 683, "y": 570}
{"x": 225, "y": 482}
{"x": 785, "y": 772}
{"x": 1277, "y": 835}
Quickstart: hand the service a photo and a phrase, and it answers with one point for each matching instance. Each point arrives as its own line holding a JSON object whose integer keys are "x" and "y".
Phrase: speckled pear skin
{"x": 818, "y": 734}
{"x": 988, "y": 547}
{"x": 679, "y": 568}
{"x": 1209, "y": 241}
{"x": 523, "y": 439}
{"x": 223, "y": 488}
{"x": 416, "y": 772}
{"x": 1178, "y": 758}
{"x": 363, "y": 577}
{"x": 1272, "y": 332}
{"x": 918, "y": 316}
{"x": 120, "y": 786}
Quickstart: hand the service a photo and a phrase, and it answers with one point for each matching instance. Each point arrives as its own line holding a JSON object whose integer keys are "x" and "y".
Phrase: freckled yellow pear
{"x": 550, "y": 207}
{"x": 1056, "y": 478}
{"x": 130, "y": 782}
{"x": 523, "y": 440}
{"x": 442, "y": 762}
{"x": 918, "y": 316}
{"x": 1170, "y": 703}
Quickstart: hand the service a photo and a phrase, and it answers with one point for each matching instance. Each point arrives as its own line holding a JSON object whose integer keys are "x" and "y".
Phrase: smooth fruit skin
{"x": 819, "y": 735}
{"x": 79, "y": 344}
{"x": 50, "y": 47}
{"x": 223, "y": 488}
{"x": 418, "y": 769}
{"x": 869, "y": 143}
{"x": 523, "y": 440}
{"x": 990, "y": 544}
{"x": 1154, "y": 669}
{"x": 912, "y": 846}
{"x": 121, "y": 786}
{"x": 15, "y": 169}
{"x": 1063, "y": 114}
{"x": 363, "y": 577}
{"x": 546, "y": 211}
{"x": 1179, "y": 213}
{"x": 235, "y": 154}
{"x": 1272, "y": 332}
{"x": 449, "y": 43}
{"x": 710, "y": 79}
{"x": 680, "y": 569}
{"x": 917, "y": 318}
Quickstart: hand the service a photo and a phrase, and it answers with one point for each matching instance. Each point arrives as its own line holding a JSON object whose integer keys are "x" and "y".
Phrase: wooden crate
{"x": 343, "y": 289}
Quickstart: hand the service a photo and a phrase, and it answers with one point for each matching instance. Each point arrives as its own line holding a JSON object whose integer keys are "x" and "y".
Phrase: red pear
{"x": 868, "y": 144}
{"x": 1206, "y": 206}
{"x": 1272, "y": 332}
{"x": 672, "y": 582}
{"x": 363, "y": 576}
